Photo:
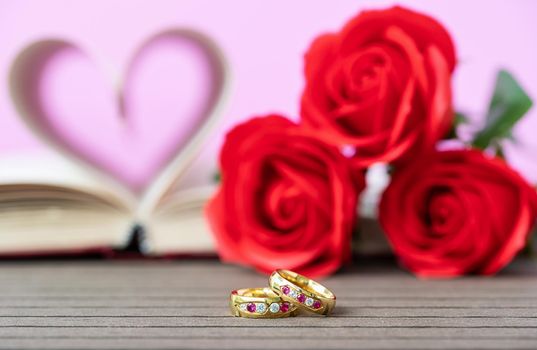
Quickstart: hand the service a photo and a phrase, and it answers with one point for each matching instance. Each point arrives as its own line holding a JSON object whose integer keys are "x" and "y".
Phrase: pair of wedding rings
{"x": 289, "y": 292}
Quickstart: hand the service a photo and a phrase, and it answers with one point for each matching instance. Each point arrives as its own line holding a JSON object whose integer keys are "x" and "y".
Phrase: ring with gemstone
{"x": 260, "y": 303}
{"x": 302, "y": 291}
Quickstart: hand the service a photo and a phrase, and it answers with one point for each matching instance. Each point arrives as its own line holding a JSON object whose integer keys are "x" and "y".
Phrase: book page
{"x": 178, "y": 225}
{"x": 48, "y": 204}
{"x": 40, "y": 219}
{"x": 53, "y": 169}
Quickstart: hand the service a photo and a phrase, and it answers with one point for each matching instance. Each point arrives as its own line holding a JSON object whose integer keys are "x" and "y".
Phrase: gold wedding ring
{"x": 260, "y": 303}
{"x": 302, "y": 291}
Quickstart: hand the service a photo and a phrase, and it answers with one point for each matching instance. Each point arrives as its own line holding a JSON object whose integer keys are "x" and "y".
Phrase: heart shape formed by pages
{"x": 157, "y": 118}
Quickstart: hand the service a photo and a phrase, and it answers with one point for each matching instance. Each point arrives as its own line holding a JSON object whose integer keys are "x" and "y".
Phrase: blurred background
{"x": 263, "y": 42}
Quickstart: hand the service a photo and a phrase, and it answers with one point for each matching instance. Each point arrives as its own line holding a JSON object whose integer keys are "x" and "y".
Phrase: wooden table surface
{"x": 183, "y": 304}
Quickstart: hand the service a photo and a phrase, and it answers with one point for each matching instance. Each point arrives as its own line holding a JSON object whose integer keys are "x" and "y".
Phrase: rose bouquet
{"x": 378, "y": 91}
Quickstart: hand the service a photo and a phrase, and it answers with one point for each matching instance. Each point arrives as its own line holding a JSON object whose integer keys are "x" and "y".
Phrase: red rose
{"x": 457, "y": 212}
{"x": 382, "y": 85}
{"x": 287, "y": 199}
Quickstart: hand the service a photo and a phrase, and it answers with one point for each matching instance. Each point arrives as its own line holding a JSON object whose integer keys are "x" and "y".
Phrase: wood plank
{"x": 303, "y": 322}
{"x": 242, "y": 333}
{"x": 220, "y": 311}
{"x": 269, "y": 342}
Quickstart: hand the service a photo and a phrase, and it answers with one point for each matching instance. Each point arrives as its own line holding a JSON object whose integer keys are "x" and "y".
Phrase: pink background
{"x": 264, "y": 42}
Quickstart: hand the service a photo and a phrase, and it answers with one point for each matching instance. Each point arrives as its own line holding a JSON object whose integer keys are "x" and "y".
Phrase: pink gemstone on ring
{"x": 284, "y": 307}
{"x": 285, "y": 290}
{"x": 316, "y": 304}
{"x": 250, "y": 307}
{"x": 301, "y": 298}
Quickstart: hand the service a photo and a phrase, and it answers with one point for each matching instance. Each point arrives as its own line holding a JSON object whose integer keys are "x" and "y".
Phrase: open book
{"x": 123, "y": 151}
{"x": 48, "y": 205}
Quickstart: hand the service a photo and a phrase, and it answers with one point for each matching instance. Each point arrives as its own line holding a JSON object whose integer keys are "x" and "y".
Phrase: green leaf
{"x": 217, "y": 177}
{"x": 509, "y": 103}
{"x": 499, "y": 151}
{"x": 458, "y": 119}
